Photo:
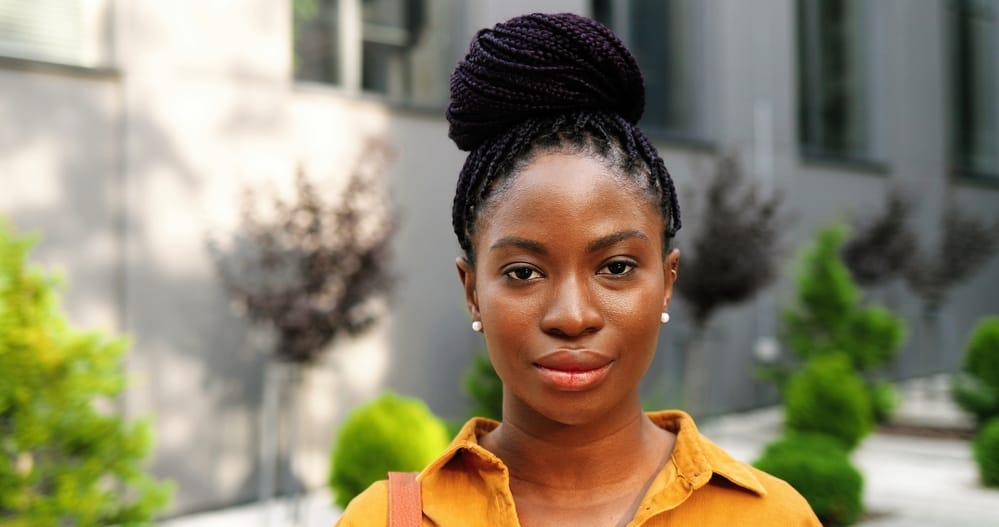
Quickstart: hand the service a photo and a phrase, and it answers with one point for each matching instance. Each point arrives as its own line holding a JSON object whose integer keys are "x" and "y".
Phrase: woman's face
{"x": 569, "y": 284}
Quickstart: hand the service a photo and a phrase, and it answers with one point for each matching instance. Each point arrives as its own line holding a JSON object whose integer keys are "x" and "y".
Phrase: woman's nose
{"x": 572, "y": 310}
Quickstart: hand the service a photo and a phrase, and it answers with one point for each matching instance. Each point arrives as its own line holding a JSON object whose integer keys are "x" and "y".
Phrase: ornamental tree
{"x": 65, "y": 458}
{"x": 315, "y": 270}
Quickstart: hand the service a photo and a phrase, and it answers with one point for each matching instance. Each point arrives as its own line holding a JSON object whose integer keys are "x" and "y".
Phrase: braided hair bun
{"x": 541, "y": 64}
{"x": 549, "y": 81}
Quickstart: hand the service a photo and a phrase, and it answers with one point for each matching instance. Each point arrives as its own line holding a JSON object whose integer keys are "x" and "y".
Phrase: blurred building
{"x": 128, "y": 130}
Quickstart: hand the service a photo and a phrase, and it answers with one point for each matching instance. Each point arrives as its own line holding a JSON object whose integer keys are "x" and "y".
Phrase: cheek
{"x": 507, "y": 318}
{"x": 510, "y": 320}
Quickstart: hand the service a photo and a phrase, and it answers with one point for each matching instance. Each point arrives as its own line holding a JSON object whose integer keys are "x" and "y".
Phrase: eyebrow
{"x": 611, "y": 239}
{"x": 594, "y": 246}
{"x": 521, "y": 243}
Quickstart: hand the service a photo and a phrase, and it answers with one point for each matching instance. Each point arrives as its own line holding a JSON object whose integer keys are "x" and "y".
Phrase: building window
{"x": 834, "y": 79}
{"x": 668, "y": 39}
{"x": 974, "y": 107}
{"x": 74, "y": 32}
{"x": 401, "y": 49}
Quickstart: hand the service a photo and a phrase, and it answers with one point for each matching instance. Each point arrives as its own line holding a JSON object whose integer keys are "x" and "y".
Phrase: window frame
{"x": 960, "y": 168}
{"x": 701, "y": 134}
{"x": 351, "y": 43}
{"x": 868, "y": 157}
{"x": 92, "y": 51}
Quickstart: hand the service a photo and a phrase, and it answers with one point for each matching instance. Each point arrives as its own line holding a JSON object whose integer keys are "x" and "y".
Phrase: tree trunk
{"x": 693, "y": 371}
{"x": 267, "y": 455}
{"x": 278, "y": 439}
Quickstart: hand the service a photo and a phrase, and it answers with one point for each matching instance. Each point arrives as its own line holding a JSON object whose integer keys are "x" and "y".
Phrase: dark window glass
{"x": 317, "y": 44}
{"x": 663, "y": 35}
{"x": 975, "y": 114}
{"x": 833, "y": 80}
{"x": 405, "y": 50}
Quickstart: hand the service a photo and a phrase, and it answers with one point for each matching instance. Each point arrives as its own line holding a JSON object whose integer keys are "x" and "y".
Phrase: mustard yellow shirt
{"x": 702, "y": 485}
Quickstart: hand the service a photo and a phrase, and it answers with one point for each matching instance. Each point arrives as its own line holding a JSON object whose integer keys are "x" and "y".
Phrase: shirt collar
{"x": 695, "y": 457}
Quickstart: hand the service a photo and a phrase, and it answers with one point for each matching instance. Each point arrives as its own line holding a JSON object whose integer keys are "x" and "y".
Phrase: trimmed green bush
{"x": 986, "y": 449}
{"x": 976, "y": 389}
{"x": 828, "y": 398}
{"x": 64, "y": 459}
{"x": 392, "y": 433}
{"x": 884, "y": 400}
{"x": 821, "y": 471}
{"x": 982, "y": 357}
{"x": 974, "y": 396}
{"x": 827, "y": 316}
{"x": 485, "y": 388}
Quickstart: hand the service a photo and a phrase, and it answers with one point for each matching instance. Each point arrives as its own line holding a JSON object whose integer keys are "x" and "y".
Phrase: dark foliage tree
{"x": 880, "y": 247}
{"x": 735, "y": 253}
{"x": 313, "y": 270}
{"x": 966, "y": 244}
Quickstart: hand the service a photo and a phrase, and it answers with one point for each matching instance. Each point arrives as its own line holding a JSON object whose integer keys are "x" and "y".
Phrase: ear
{"x": 671, "y": 268}
{"x": 466, "y": 274}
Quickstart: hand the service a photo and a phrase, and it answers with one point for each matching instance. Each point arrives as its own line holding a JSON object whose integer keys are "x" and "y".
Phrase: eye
{"x": 523, "y": 273}
{"x": 617, "y": 268}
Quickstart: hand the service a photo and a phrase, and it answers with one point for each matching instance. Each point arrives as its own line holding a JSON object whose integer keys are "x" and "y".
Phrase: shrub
{"x": 884, "y": 400}
{"x": 987, "y": 452}
{"x": 975, "y": 397}
{"x": 821, "y": 471}
{"x": 392, "y": 433}
{"x": 827, "y": 316}
{"x": 63, "y": 460}
{"x": 828, "y": 398}
{"x": 977, "y": 388}
{"x": 982, "y": 358}
{"x": 485, "y": 388}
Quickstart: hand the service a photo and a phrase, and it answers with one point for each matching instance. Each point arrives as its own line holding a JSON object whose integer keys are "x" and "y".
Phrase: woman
{"x": 564, "y": 212}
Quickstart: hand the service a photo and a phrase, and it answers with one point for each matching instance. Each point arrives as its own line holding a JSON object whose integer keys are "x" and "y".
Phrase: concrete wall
{"x": 128, "y": 174}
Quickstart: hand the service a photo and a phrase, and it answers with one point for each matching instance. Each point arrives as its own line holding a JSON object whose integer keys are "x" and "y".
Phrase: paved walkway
{"x": 908, "y": 481}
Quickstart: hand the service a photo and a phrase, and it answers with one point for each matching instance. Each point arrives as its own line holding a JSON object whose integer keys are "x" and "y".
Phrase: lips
{"x": 574, "y": 370}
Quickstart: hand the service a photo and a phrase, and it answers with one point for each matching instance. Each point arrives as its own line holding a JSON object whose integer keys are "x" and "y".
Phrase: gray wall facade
{"x": 127, "y": 173}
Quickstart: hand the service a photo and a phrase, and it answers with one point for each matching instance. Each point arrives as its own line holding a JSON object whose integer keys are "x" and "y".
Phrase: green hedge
{"x": 819, "y": 468}
{"x": 485, "y": 388}
{"x": 392, "y": 433}
{"x": 976, "y": 389}
{"x": 828, "y": 398}
{"x": 982, "y": 358}
{"x": 986, "y": 450}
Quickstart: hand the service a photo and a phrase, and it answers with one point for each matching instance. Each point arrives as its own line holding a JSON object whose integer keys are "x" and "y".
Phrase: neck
{"x": 606, "y": 452}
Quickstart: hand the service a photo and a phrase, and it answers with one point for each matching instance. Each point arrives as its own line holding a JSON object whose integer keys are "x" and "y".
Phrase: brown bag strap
{"x": 404, "y": 500}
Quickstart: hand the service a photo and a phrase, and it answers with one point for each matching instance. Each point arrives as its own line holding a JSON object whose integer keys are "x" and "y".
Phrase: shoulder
{"x": 783, "y": 500}
{"x": 760, "y": 496}
{"x": 765, "y": 498}
{"x": 368, "y": 508}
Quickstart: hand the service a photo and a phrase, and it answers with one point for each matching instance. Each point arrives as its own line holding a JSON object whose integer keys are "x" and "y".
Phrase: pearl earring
{"x": 477, "y": 326}
{"x": 664, "y": 317}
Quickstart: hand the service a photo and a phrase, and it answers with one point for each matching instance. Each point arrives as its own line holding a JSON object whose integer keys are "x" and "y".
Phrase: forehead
{"x": 560, "y": 194}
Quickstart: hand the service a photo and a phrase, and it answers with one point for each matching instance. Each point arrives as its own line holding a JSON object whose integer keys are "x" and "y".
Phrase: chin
{"x": 573, "y": 408}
